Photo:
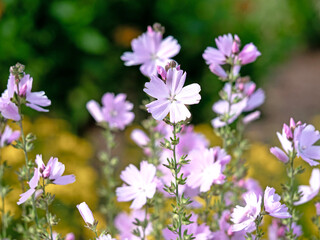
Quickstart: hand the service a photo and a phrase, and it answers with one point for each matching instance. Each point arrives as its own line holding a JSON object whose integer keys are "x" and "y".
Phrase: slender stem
{"x": 47, "y": 208}
{"x": 4, "y": 220}
{"x": 291, "y": 195}
{"x": 176, "y": 178}
{"x": 145, "y": 225}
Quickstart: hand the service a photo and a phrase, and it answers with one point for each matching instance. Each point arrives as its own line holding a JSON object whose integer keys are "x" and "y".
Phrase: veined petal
{"x": 64, "y": 180}
{"x": 25, "y": 196}
{"x": 156, "y": 88}
{"x": 189, "y": 94}
{"x": 159, "y": 109}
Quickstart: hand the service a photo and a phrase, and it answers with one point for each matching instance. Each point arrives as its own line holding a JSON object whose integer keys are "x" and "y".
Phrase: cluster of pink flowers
{"x": 244, "y": 217}
{"x": 229, "y": 52}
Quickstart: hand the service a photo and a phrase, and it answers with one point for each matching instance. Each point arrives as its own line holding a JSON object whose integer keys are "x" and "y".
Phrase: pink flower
{"x": 171, "y": 96}
{"x": 278, "y": 153}
{"x": 273, "y": 206}
{"x": 70, "y": 236}
{"x": 115, "y": 110}
{"x": 8, "y": 136}
{"x": 52, "y": 171}
{"x": 150, "y": 50}
{"x": 304, "y": 139}
{"x": 277, "y": 230}
{"x": 220, "y": 55}
{"x": 141, "y": 184}
{"x": 125, "y": 226}
{"x": 35, "y": 100}
{"x": 309, "y": 192}
{"x": 249, "y": 54}
{"x": 206, "y": 168}
{"x": 86, "y": 213}
{"x": 244, "y": 217}
{"x": 200, "y": 232}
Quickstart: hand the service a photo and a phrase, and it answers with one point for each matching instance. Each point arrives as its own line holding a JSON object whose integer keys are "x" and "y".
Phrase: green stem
{"x": 145, "y": 225}
{"x": 291, "y": 195}
{"x": 47, "y": 209}
{"x": 176, "y": 180}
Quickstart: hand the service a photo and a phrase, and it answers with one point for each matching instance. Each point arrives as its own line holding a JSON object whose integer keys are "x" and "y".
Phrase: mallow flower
{"x": 52, "y": 171}
{"x": 309, "y": 192}
{"x": 8, "y": 136}
{"x": 205, "y": 168}
{"x": 115, "y": 110}
{"x": 171, "y": 95}
{"x": 35, "y": 100}
{"x": 273, "y": 206}
{"x": 140, "y": 184}
{"x": 86, "y": 213}
{"x": 244, "y": 217}
{"x": 305, "y": 136}
{"x": 150, "y": 50}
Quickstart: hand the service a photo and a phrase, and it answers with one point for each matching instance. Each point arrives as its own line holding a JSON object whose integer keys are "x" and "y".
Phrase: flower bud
{"x": 86, "y": 213}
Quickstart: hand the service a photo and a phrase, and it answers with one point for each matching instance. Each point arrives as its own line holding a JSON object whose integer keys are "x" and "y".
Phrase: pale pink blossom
{"x": 277, "y": 230}
{"x": 150, "y": 51}
{"x": 53, "y": 171}
{"x": 278, "y": 153}
{"x": 273, "y": 206}
{"x": 171, "y": 96}
{"x": 86, "y": 213}
{"x": 140, "y": 184}
{"x": 248, "y": 54}
{"x": 115, "y": 110}
{"x": 244, "y": 217}
{"x": 124, "y": 223}
{"x": 309, "y": 192}
{"x": 205, "y": 168}
{"x": 305, "y": 136}
{"x": 8, "y": 136}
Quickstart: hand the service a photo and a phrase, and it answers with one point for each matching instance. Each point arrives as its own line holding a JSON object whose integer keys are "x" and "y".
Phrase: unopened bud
{"x": 171, "y": 64}
{"x": 162, "y": 72}
{"x": 158, "y": 28}
{"x": 251, "y": 89}
{"x": 288, "y": 132}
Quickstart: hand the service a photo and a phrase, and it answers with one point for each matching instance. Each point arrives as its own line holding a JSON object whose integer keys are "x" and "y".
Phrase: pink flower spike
{"x": 171, "y": 96}
{"x": 273, "y": 206}
{"x": 141, "y": 184}
{"x": 249, "y": 54}
{"x": 278, "y": 153}
{"x": 309, "y": 192}
{"x": 86, "y": 213}
{"x": 95, "y": 111}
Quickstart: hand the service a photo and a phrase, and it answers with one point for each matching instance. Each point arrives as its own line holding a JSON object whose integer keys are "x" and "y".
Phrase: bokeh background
{"x": 72, "y": 49}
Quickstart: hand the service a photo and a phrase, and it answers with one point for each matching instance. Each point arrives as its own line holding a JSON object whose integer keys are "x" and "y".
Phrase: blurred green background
{"x": 72, "y": 48}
